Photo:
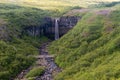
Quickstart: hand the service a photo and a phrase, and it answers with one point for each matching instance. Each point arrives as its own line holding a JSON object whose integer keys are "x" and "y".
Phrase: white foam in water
{"x": 56, "y": 29}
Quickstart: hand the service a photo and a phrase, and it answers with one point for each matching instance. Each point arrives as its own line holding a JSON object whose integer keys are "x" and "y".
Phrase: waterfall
{"x": 56, "y": 30}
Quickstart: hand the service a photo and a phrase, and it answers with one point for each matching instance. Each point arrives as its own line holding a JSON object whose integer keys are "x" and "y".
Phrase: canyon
{"x": 47, "y": 28}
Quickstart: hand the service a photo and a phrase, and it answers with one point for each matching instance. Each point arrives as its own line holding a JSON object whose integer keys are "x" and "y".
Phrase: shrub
{"x": 36, "y": 71}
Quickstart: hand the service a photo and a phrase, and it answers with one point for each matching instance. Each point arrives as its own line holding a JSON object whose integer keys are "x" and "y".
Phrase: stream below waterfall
{"x": 43, "y": 60}
{"x": 51, "y": 68}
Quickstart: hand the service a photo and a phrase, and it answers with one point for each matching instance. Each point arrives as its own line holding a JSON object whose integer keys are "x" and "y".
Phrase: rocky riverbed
{"x": 51, "y": 68}
{"x": 44, "y": 59}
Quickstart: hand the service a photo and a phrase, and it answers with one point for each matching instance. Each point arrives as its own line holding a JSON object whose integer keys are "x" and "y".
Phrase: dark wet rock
{"x": 70, "y": 21}
{"x": 50, "y": 67}
{"x": 66, "y": 23}
{"x": 47, "y": 62}
{"x": 47, "y": 28}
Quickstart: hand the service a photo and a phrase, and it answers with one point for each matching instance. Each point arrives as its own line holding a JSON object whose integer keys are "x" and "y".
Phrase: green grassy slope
{"x": 17, "y": 55}
{"x": 16, "y": 48}
{"x": 18, "y": 17}
{"x": 91, "y": 50}
{"x": 14, "y": 57}
{"x": 15, "y": 15}
{"x": 15, "y": 18}
{"x": 54, "y": 4}
{"x": 36, "y": 71}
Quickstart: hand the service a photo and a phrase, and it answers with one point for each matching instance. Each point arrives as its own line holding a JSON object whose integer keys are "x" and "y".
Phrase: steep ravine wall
{"x": 48, "y": 27}
{"x": 66, "y": 23}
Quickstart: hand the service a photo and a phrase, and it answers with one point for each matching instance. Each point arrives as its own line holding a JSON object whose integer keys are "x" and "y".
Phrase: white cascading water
{"x": 56, "y": 30}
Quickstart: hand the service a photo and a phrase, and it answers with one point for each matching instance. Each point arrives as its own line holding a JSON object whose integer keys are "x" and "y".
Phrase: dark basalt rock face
{"x": 47, "y": 28}
{"x": 66, "y": 23}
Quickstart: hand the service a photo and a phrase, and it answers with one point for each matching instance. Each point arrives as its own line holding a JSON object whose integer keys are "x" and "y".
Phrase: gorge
{"x": 59, "y": 40}
{"x": 48, "y": 29}
{"x": 56, "y": 27}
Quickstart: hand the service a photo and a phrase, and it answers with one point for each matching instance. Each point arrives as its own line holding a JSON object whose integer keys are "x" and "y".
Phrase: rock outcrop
{"x": 66, "y": 23}
{"x": 47, "y": 28}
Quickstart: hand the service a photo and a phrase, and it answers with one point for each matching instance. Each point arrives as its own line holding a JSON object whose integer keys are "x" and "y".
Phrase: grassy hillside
{"x": 54, "y": 4}
{"x": 16, "y": 18}
{"x": 91, "y": 50}
{"x": 16, "y": 48}
{"x": 17, "y": 55}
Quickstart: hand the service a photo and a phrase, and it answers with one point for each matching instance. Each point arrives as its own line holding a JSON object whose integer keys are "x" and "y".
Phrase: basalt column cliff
{"x": 47, "y": 28}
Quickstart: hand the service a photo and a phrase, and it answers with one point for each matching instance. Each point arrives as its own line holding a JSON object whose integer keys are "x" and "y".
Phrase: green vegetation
{"x": 92, "y": 47}
{"x": 17, "y": 55}
{"x": 36, "y": 71}
{"x": 104, "y": 4}
{"x": 54, "y": 4}
{"x": 14, "y": 57}
{"x": 91, "y": 50}
{"x": 42, "y": 7}
{"x": 17, "y": 18}
{"x": 17, "y": 50}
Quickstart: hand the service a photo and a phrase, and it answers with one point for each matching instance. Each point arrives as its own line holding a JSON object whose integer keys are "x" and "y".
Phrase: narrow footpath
{"x": 44, "y": 59}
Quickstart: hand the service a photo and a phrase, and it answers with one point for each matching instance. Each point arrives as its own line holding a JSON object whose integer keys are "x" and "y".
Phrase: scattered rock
{"x": 45, "y": 60}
